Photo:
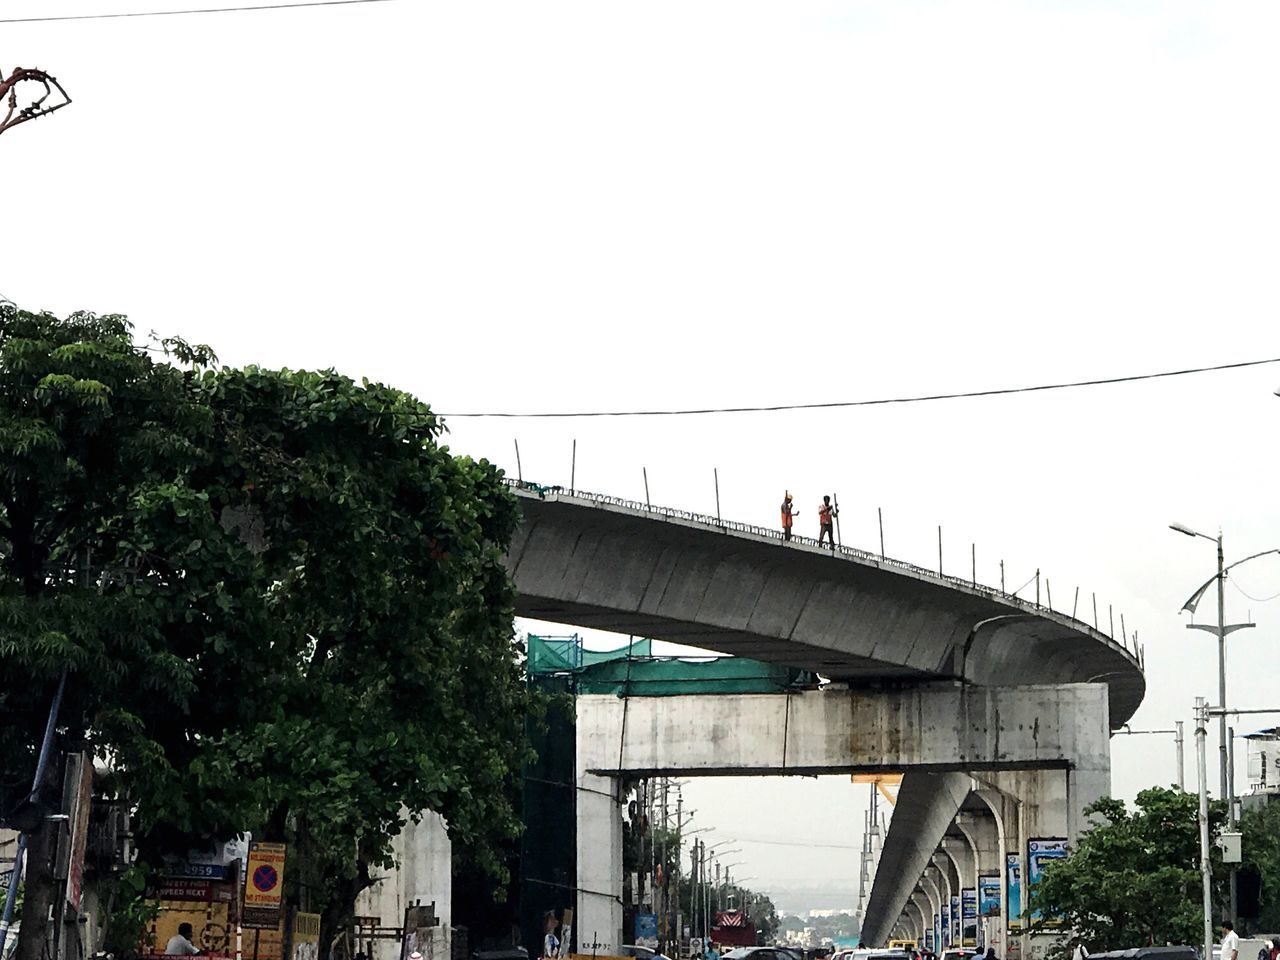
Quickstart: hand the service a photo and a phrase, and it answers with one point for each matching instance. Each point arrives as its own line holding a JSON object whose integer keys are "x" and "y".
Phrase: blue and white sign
{"x": 955, "y": 921}
{"x": 647, "y": 929}
{"x": 1040, "y": 853}
{"x": 946, "y": 923}
{"x": 1013, "y": 878}
{"x": 969, "y": 917}
{"x": 989, "y": 895}
{"x": 196, "y": 871}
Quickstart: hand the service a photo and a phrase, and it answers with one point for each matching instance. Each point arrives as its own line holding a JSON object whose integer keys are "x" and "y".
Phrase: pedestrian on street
{"x": 826, "y": 522}
{"x": 1230, "y": 941}
{"x": 991, "y": 954}
{"x": 550, "y": 942}
{"x": 180, "y": 944}
{"x": 788, "y": 511}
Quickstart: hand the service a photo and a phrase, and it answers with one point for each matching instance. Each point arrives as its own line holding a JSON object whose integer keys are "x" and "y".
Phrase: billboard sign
{"x": 969, "y": 917}
{"x": 1013, "y": 881}
{"x": 1041, "y": 852}
{"x": 647, "y": 930}
{"x": 989, "y": 895}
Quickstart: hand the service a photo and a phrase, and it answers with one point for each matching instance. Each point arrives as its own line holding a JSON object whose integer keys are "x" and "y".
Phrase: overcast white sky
{"x": 565, "y": 206}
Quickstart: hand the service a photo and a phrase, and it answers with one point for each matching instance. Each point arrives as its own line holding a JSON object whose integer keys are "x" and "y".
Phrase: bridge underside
{"x": 843, "y": 667}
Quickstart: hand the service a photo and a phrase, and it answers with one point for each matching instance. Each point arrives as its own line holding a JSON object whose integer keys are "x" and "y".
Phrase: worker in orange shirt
{"x": 826, "y": 522}
{"x": 788, "y": 511}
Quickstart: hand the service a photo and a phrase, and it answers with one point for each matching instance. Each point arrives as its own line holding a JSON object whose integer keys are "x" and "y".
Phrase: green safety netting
{"x": 634, "y": 671}
{"x": 565, "y": 654}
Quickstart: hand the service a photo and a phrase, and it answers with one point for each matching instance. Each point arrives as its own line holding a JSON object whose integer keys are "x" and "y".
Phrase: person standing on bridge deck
{"x": 788, "y": 511}
{"x": 826, "y": 521}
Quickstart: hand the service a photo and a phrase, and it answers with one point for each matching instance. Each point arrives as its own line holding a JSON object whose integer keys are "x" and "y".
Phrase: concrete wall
{"x": 934, "y": 727}
{"x": 423, "y": 873}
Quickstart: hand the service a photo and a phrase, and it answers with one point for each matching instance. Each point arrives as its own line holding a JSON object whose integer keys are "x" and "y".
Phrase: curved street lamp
{"x": 1221, "y": 629}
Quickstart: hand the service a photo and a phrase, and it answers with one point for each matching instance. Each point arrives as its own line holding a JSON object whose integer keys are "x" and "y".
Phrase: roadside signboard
{"x": 197, "y": 871}
{"x": 264, "y": 886}
{"x": 989, "y": 895}
{"x": 1041, "y": 852}
{"x": 79, "y": 795}
{"x": 969, "y": 917}
{"x": 647, "y": 930}
{"x": 1013, "y": 877}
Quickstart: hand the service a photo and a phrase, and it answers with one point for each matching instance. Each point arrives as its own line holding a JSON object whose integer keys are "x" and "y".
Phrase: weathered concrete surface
{"x": 851, "y": 618}
{"x": 927, "y": 803}
{"x": 598, "y": 918}
{"x": 929, "y": 727}
{"x": 423, "y": 874}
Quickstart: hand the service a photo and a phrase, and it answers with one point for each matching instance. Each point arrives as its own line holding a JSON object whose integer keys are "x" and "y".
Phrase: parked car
{"x": 637, "y": 951}
{"x": 757, "y": 953}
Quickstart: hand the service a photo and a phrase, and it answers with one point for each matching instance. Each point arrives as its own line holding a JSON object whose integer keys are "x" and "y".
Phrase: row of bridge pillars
{"x": 985, "y": 846}
{"x": 980, "y": 864}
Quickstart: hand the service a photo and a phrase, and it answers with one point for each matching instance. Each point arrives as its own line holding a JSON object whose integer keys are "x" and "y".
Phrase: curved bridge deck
{"x": 602, "y": 563}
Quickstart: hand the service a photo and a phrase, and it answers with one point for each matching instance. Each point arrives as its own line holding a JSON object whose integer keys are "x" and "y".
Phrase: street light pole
{"x": 1222, "y": 679}
{"x": 1221, "y": 630}
{"x": 1206, "y": 878}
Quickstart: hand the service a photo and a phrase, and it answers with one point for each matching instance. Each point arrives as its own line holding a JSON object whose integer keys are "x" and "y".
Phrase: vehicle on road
{"x": 637, "y": 951}
{"x": 757, "y": 953}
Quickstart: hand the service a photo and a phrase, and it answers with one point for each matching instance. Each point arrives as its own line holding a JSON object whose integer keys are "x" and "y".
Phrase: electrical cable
{"x": 1250, "y": 596}
{"x": 187, "y": 11}
{"x": 838, "y": 404}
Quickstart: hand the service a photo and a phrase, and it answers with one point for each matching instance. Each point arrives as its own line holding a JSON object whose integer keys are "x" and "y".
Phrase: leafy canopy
{"x": 1134, "y": 879}
{"x": 280, "y": 597}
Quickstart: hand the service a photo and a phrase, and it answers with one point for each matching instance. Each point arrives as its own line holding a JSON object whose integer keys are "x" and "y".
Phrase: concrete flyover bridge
{"x": 996, "y": 709}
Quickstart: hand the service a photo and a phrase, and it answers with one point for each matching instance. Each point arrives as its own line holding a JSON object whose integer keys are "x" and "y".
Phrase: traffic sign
{"x": 264, "y": 891}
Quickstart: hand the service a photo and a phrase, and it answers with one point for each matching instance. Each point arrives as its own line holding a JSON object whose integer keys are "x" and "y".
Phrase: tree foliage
{"x": 1134, "y": 879}
{"x": 280, "y": 597}
{"x": 1260, "y": 827}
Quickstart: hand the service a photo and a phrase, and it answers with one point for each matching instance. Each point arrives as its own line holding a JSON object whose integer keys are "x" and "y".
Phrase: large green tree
{"x": 280, "y": 597}
{"x": 1132, "y": 880}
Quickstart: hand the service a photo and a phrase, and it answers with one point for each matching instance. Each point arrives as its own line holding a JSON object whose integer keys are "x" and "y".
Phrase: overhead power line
{"x": 189, "y": 11}
{"x": 923, "y": 398}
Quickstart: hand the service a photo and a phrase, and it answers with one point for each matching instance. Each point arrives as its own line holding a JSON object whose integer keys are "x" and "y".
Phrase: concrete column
{"x": 921, "y": 904}
{"x": 423, "y": 874}
{"x": 930, "y": 887}
{"x": 950, "y": 891}
{"x": 997, "y": 929}
{"x": 980, "y": 831}
{"x": 597, "y": 920}
{"x": 927, "y": 803}
{"x": 961, "y": 856}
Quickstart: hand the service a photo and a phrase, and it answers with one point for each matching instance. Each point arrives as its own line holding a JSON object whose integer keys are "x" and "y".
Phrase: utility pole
{"x": 36, "y": 108}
